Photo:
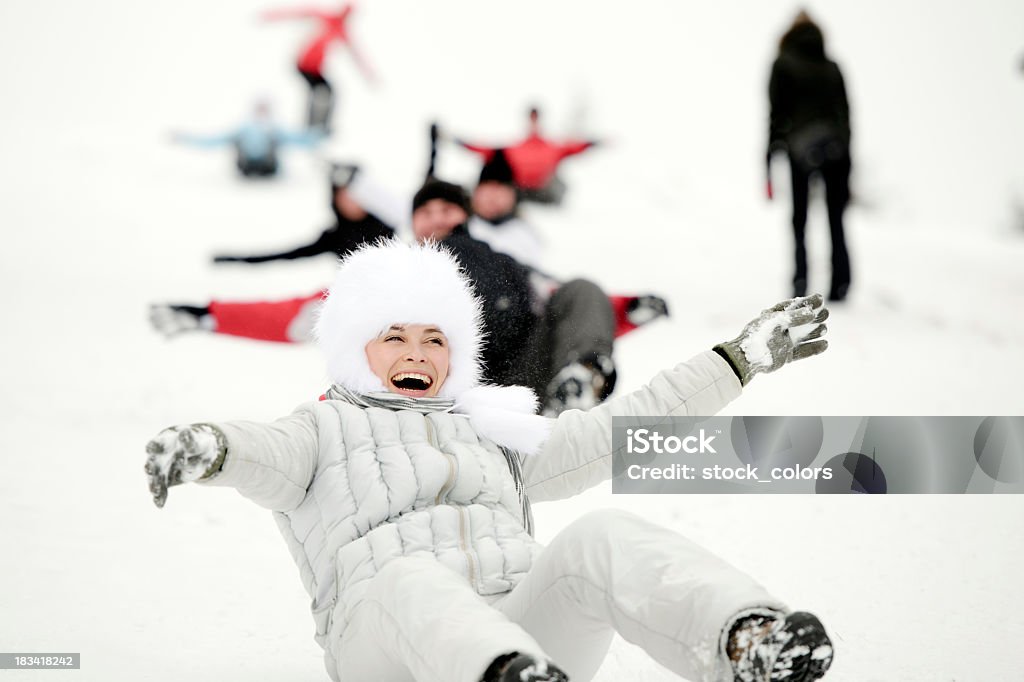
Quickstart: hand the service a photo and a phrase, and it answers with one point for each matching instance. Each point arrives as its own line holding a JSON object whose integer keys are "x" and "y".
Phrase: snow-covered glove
{"x": 790, "y": 330}
{"x": 182, "y": 454}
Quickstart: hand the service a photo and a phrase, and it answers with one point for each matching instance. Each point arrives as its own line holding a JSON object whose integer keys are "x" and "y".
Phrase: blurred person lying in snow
{"x": 365, "y": 210}
{"x": 256, "y": 142}
{"x": 496, "y": 201}
{"x": 534, "y": 161}
{"x": 555, "y": 337}
{"x": 404, "y": 497}
{"x": 496, "y": 220}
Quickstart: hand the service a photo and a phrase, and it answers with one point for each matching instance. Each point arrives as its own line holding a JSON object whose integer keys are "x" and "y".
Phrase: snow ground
{"x": 103, "y": 216}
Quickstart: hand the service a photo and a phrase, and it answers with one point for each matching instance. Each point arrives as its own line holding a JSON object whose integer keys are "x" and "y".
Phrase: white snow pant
{"x": 608, "y": 572}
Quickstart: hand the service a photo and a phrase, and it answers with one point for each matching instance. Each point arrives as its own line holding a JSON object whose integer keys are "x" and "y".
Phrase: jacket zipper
{"x": 450, "y": 481}
{"x": 464, "y": 545}
{"x": 443, "y": 493}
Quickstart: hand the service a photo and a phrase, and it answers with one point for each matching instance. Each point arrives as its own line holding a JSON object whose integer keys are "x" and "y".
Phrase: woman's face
{"x": 410, "y": 359}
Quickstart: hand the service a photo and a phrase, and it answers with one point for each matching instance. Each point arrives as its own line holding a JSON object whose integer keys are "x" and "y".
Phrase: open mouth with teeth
{"x": 412, "y": 383}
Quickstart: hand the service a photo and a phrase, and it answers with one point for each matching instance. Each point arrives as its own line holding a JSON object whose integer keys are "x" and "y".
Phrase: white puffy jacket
{"x": 355, "y": 487}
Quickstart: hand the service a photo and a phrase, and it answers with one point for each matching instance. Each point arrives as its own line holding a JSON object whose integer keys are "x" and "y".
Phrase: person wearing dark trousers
{"x": 560, "y": 347}
{"x": 810, "y": 122}
{"x": 568, "y": 355}
{"x": 321, "y": 100}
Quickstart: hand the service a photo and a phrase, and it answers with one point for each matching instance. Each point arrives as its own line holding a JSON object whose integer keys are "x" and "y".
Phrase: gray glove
{"x": 779, "y": 335}
{"x": 171, "y": 320}
{"x": 181, "y": 454}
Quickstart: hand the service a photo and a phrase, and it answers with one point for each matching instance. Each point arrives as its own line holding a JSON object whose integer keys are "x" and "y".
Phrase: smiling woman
{"x": 411, "y": 360}
{"x": 404, "y": 496}
{"x": 389, "y": 298}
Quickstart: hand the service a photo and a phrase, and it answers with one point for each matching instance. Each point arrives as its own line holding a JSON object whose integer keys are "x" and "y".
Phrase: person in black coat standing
{"x": 810, "y": 122}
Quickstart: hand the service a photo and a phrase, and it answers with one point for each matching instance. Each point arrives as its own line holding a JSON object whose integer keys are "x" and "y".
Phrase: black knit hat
{"x": 445, "y": 191}
{"x": 497, "y": 169}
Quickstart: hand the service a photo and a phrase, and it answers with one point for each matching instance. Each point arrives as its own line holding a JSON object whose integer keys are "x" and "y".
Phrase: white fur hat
{"x": 389, "y": 283}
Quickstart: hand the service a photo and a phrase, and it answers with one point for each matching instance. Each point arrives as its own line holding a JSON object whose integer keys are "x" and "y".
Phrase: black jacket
{"x": 807, "y": 94}
{"x": 504, "y": 286}
{"x": 341, "y": 238}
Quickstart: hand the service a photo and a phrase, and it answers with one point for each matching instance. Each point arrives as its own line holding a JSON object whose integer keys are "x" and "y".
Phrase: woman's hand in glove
{"x": 181, "y": 454}
{"x": 790, "y": 330}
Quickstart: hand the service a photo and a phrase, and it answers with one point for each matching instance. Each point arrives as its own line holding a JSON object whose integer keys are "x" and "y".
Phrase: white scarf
{"x": 502, "y": 414}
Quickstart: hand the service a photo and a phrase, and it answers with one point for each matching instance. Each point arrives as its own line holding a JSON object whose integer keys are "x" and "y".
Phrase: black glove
{"x": 780, "y": 334}
{"x": 181, "y": 454}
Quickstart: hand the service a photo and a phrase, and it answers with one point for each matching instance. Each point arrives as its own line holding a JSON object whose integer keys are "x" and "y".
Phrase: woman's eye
{"x": 393, "y": 338}
{"x": 439, "y": 342}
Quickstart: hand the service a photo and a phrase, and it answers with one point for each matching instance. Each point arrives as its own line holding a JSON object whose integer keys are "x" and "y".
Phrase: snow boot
{"x": 518, "y": 667}
{"x": 644, "y": 309}
{"x": 580, "y": 385}
{"x": 794, "y": 648}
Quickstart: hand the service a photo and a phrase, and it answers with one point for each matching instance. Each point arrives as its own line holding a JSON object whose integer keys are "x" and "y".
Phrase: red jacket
{"x": 535, "y": 159}
{"x": 332, "y": 28}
